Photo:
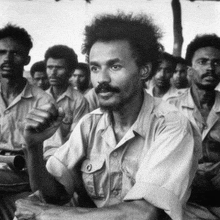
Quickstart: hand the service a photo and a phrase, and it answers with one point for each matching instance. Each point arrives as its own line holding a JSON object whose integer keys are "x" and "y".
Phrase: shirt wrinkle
{"x": 136, "y": 158}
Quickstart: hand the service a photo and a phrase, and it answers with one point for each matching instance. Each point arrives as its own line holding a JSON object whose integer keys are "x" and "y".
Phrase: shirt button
{"x": 115, "y": 154}
{"x": 89, "y": 167}
{"x": 115, "y": 192}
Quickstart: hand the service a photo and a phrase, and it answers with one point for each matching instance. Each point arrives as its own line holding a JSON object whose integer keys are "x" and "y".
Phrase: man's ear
{"x": 27, "y": 61}
{"x": 146, "y": 71}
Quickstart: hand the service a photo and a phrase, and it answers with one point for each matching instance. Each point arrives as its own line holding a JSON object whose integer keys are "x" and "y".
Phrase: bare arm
{"x": 139, "y": 209}
{"x": 40, "y": 125}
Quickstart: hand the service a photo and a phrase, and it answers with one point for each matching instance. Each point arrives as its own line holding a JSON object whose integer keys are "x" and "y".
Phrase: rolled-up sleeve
{"x": 166, "y": 173}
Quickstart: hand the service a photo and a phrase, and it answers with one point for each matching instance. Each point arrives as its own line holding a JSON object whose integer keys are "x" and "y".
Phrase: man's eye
{"x": 217, "y": 63}
{"x": 116, "y": 67}
{"x": 202, "y": 62}
{"x": 94, "y": 69}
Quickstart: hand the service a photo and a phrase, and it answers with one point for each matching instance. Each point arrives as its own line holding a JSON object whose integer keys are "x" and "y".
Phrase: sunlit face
{"x": 180, "y": 76}
{"x": 79, "y": 79}
{"x": 57, "y": 72}
{"x": 114, "y": 74}
{"x": 13, "y": 58}
{"x": 164, "y": 74}
{"x": 40, "y": 79}
{"x": 206, "y": 63}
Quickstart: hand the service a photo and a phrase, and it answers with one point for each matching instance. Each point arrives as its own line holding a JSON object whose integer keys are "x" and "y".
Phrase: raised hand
{"x": 41, "y": 123}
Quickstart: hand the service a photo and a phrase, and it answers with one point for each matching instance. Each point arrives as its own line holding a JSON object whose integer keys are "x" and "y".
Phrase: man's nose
{"x": 53, "y": 71}
{"x": 8, "y": 56}
{"x": 104, "y": 76}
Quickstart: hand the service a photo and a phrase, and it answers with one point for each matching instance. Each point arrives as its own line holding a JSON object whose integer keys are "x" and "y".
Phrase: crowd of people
{"x": 132, "y": 133}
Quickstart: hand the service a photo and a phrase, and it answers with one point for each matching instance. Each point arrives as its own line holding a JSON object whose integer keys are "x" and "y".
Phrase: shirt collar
{"x": 26, "y": 92}
{"x": 188, "y": 102}
{"x": 68, "y": 93}
{"x": 140, "y": 125}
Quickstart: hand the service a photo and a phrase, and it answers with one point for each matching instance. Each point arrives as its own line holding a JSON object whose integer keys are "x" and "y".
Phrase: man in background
{"x": 201, "y": 104}
{"x": 61, "y": 62}
{"x": 180, "y": 78}
{"x": 39, "y": 75}
{"x": 81, "y": 78}
{"x": 17, "y": 98}
{"x": 161, "y": 85}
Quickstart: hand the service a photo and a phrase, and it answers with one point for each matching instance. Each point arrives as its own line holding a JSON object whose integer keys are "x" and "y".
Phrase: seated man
{"x": 61, "y": 61}
{"x": 161, "y": 85}
{"x": 135, "y": 154}
{"x": 201, "y": 104}
{"x": 81, "y": 78}
{"x": 39, "y": 75}
{"x": 17, "y": 98}
{"x": 180, "y": 76}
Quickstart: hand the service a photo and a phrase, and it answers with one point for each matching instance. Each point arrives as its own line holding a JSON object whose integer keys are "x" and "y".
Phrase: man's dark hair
{"x": 180, "y": 60}
{"x": 18, "y": 34}
{"x": 139, "y": 31}
{"x": 85, "y": 68}
{"x": 62, "y": 52}
{"x": 168, "y": 57}
{"x": 38, "y": 67}
{"x": 200, "y": 41}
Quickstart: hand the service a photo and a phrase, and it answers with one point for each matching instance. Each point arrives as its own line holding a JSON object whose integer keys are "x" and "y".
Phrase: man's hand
{"x": 41, "y": 123}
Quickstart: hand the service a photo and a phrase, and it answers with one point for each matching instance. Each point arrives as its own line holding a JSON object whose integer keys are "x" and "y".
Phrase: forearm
{"x": 140, "y": 210}
{"x": 40, "y": 179}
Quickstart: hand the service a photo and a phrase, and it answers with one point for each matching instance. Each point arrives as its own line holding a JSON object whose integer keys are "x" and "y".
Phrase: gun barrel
{"x": 15, "y": 162}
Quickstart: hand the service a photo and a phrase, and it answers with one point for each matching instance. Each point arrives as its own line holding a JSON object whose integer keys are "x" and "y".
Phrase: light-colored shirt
{"x": 209, "y": 129}
{"x": 12, "y": 118}
{"x": 153, "y": 161}
{"x": 75, "y": 107}
{"x": 171, "y": 93}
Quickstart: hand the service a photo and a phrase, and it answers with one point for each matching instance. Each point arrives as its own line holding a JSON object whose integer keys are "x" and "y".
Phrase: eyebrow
{"x": 109, "y": 62}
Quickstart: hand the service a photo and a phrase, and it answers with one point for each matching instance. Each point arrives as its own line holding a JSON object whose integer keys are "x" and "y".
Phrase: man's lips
{"x": 6, "y": 67}
{"x": 105, "y": 95}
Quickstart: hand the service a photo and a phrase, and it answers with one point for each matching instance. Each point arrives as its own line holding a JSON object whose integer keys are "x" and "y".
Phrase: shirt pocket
{"x": 93, "y": 174}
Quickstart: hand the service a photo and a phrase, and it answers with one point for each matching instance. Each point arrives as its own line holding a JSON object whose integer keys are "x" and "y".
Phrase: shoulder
{"x": 38, "y": 93}
{"x": 169, "y": 114}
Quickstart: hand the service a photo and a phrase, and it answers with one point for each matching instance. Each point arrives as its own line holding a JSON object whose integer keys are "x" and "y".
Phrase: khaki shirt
{"x": 12, "y": 118}
{"x": 153, "y": 161}
{"x": 75, "y": 107}
{"x": 171, "y": 93}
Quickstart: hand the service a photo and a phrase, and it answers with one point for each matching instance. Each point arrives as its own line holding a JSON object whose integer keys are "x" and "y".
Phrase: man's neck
{"x": 10, "y": 89}
{"x": 203, "y": 97}
{"x": 160, "y": 91}
{"x": 126, "y": 116}
{"x": 57, "y": 91}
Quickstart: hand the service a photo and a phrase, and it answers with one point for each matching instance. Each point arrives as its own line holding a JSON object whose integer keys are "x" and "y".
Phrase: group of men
{"x": 134, "y": 157}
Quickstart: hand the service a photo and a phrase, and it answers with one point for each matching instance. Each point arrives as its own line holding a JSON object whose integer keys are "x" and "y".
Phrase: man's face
{"x": 206, "y": 63}
{"x": 13, "y": 58}
{"x": 114, "y": 74}
{"x": 79, "y": 79}
{"x": 163, "y": 74}
{"x": 180, "y": 76}
{"x": 57, "y": 72}
{"x": 41, "y": 80}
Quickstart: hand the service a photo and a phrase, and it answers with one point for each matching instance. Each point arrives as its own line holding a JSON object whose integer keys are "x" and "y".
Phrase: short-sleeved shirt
{"x": 209, "y": 129}
{"x": 75, "y": 107}
{"x": 155, "y": 160}
{"x": 12, "y": 118}
{"x": 171, "y": 93}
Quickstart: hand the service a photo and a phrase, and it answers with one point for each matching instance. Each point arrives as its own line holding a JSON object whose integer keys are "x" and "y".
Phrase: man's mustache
{"x": 105, "y": 87}
{"x": 210, "y": 74}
